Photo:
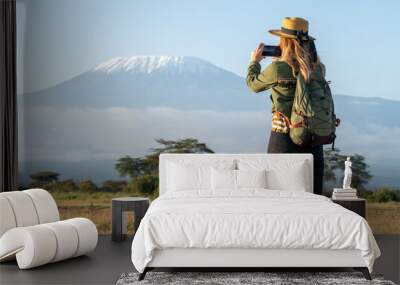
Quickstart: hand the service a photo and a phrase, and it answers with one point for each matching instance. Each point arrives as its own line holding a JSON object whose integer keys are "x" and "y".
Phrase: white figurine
{"x": 347, "y": 174}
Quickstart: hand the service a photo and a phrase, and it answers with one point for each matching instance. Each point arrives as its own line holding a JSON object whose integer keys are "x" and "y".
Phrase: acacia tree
{"x": 188, "y": 145}
{"x": 148, "y": 164}
{"x": 42, "y": 178}
{"x": 131, "y": 166}
{"x": 45, "y": 176}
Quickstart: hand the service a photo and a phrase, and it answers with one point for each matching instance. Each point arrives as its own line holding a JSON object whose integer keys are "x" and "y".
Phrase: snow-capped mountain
{"x": 153, "y": 63}
{"x": 142, "y": 81}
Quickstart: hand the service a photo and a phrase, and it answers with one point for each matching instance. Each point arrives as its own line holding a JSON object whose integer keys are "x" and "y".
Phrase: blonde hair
{"x": 298, "y": 57}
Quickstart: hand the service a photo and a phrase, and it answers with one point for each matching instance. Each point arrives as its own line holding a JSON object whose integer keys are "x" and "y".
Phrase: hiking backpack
{"x": 313, "y": 121}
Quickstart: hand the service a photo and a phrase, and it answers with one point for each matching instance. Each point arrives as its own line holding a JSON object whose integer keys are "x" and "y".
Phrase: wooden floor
{"x": 110, "y": 260}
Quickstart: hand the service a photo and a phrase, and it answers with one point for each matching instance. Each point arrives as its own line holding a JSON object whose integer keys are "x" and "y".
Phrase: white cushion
{"x": 67, "y": 239}
{"x": 227, "y": 179}
{"x": 7, "y": 218}
{"x": 223, "y": 179}
{"x": 46, "y": 207}
{"x": 186, "y": 174}
{"x": 23, "y": 208}
{"x": 33, "y": 246}
{"x": 87, "y": 233}
{"x": 40, "y": 244}
{"x": 26, "y": 208}
{"x": 189, "y": 177}
{"x": 293, "y": 178}
{"x": 281, "y": 175}
{"x": 251, "y": 178}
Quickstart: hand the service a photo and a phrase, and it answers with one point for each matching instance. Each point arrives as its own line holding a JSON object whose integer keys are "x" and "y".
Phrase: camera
{"x": 274, "y": 51}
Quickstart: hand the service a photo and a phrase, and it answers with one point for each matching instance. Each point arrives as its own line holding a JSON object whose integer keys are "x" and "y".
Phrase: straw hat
{"x": 293, "y": 28}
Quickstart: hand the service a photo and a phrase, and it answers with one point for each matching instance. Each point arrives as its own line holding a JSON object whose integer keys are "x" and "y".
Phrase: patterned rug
{"x": 253, "y": 278}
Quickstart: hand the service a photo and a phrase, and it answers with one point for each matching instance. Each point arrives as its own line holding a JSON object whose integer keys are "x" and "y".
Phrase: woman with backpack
{"x": 298, "y": 67}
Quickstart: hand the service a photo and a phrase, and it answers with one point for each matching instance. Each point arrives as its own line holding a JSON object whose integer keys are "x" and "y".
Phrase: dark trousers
{"x": 282, "y": 143}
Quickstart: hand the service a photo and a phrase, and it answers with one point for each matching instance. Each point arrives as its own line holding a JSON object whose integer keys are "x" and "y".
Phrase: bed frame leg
{"x": 143, "y": 274}
{"x": 364, "y": 271}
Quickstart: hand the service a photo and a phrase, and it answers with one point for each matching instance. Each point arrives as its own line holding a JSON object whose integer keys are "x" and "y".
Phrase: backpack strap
{"x": 302, "y": 123}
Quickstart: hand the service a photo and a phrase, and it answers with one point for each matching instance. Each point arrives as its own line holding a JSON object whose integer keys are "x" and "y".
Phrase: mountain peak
{"x": 156, "y": 63}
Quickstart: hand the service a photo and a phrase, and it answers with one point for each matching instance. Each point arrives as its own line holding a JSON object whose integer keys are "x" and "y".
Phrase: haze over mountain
{"x": 98, "y": 115}
{"x": 187, "y": 83}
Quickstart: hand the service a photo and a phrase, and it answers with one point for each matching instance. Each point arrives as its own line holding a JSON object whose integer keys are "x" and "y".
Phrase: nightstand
{"x": 357, "y": 205}
{"x": 120, "y": 207}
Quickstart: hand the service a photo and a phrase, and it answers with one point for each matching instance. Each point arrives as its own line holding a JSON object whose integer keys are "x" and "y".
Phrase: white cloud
{"x": 379, "y": 144}
{"x": 84, "y": 134}
{"x": 88, "y": 134}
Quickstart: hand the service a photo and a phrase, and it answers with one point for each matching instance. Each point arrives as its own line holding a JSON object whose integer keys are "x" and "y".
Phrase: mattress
{"x": 251, "y": 219}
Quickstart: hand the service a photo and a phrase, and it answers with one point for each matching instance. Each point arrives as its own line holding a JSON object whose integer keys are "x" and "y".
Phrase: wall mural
{"x": 102, "y": 95}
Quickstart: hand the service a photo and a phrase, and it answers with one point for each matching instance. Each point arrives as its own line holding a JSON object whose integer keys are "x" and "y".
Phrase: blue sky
{"x": 58, "y": 39}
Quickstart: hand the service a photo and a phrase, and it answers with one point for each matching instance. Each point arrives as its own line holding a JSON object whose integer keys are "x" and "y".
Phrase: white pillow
{"x": 223, "y": 179}
{"x": 188, "y": 177}
{"x": 251, "y": 178}
{"x": 193, "y": 174}
{"x": 292, "y": 179}
{"x": 228, "y": 179}
{"x": 281, "y": 174}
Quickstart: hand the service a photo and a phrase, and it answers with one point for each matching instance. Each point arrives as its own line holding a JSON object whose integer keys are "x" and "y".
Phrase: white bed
{"x": 271, "y": 226}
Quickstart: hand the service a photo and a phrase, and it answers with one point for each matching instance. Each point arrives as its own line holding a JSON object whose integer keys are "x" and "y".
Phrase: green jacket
{"x": 278, "y": 77}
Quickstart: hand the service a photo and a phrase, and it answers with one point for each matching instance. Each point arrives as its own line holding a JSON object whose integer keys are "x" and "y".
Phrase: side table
{"x": 357, "y": 205}
{"x": 120, "y": 206}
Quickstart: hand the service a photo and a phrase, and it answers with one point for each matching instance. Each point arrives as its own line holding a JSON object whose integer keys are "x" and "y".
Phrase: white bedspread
{"x": 250, "y": 219}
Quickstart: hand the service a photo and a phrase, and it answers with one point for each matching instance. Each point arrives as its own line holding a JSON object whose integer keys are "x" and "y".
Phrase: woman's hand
{"x": 257, "y": 54}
